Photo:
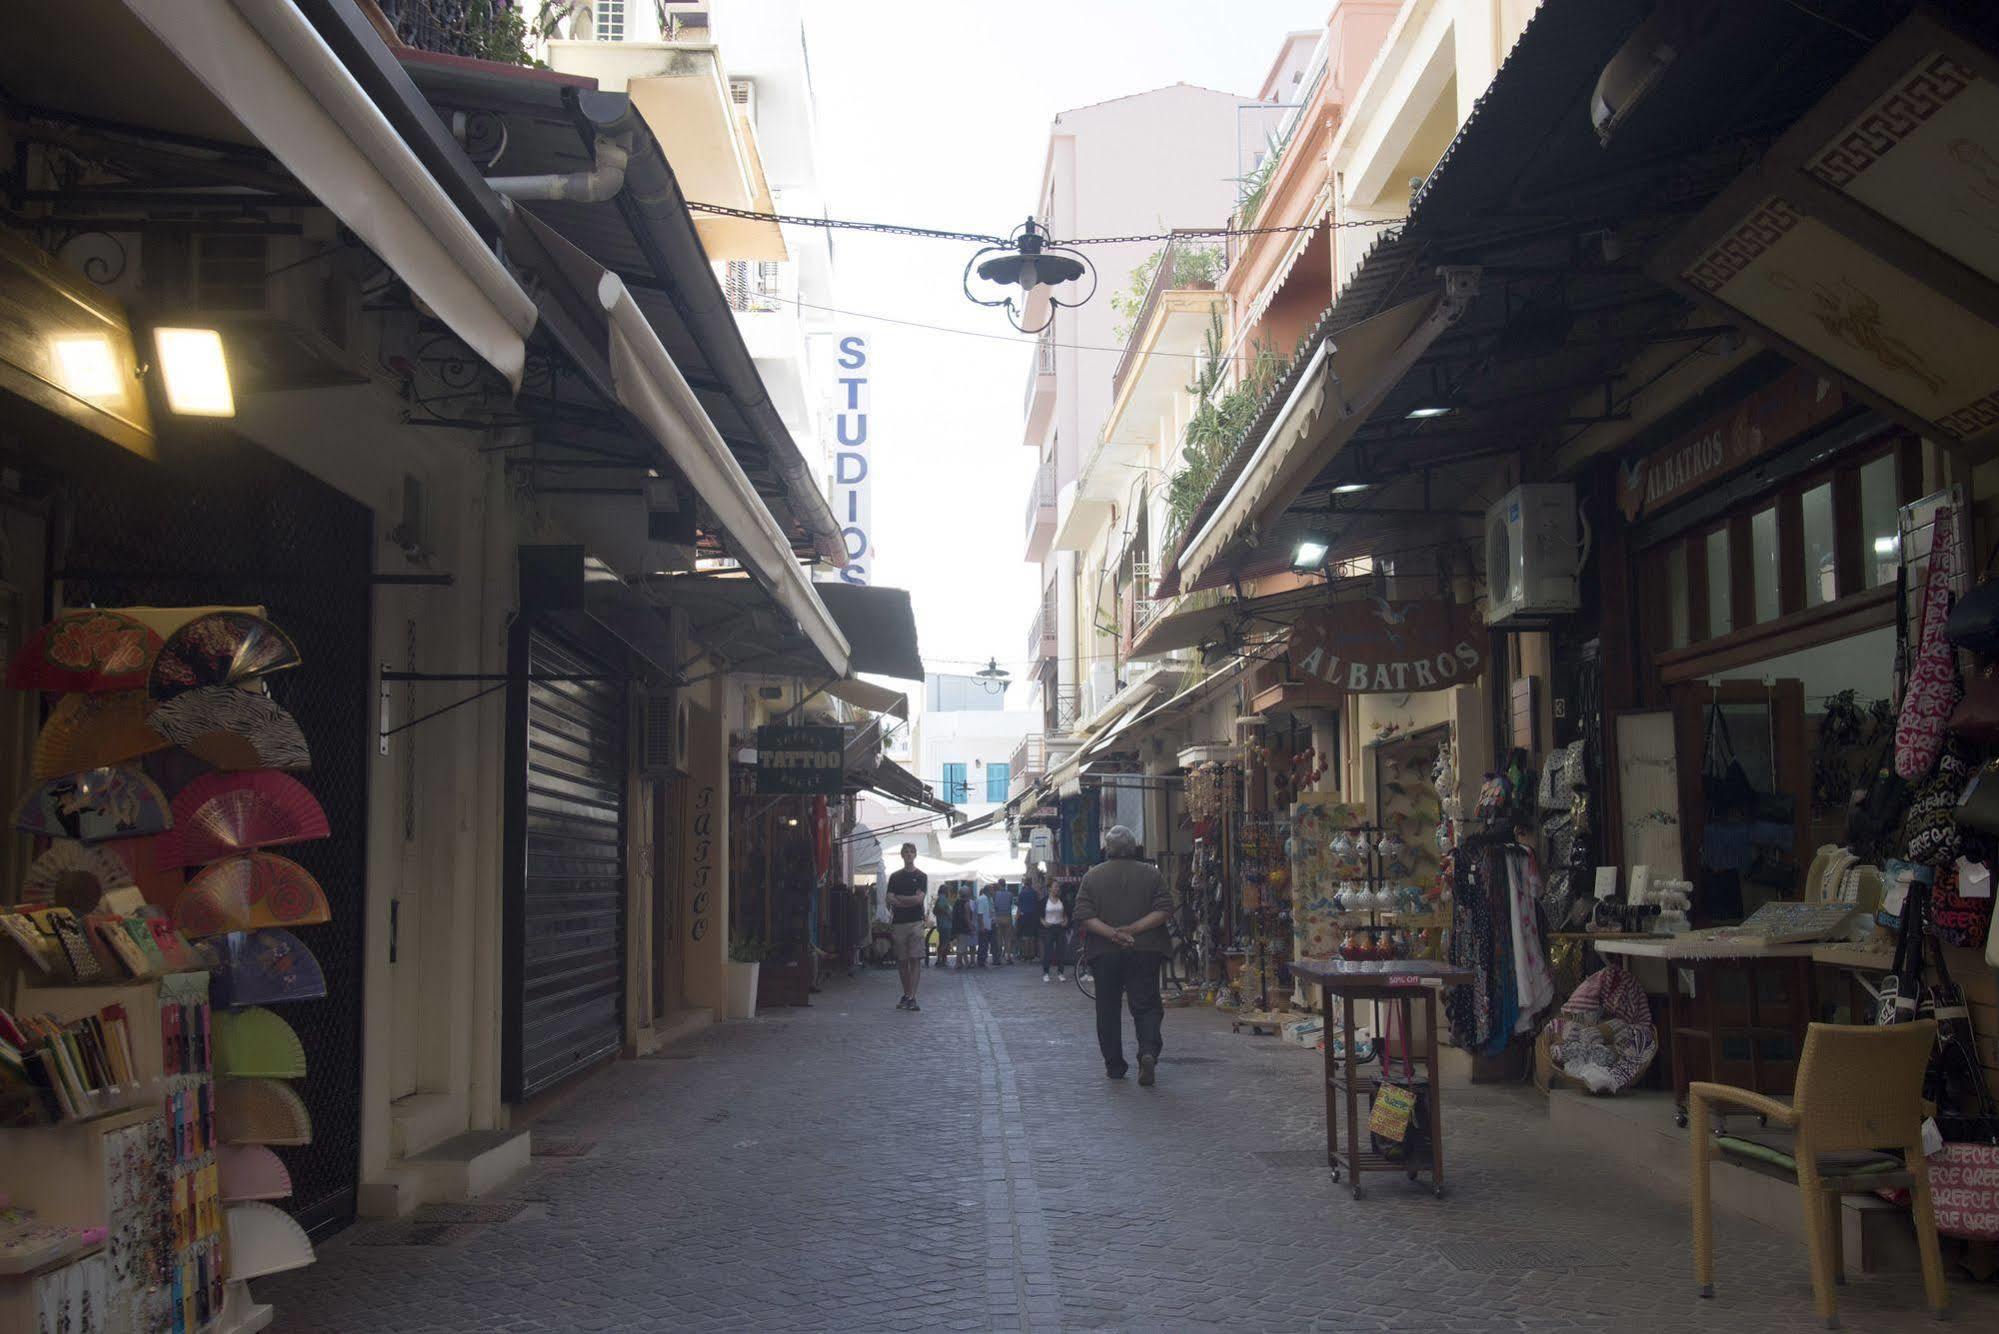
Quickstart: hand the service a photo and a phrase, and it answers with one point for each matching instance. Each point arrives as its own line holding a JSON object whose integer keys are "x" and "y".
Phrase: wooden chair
{"x": 1858, "y": 1099}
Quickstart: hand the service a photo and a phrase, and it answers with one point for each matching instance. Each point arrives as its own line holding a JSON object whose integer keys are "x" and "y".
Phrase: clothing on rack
{"x": 1498, "y": 936}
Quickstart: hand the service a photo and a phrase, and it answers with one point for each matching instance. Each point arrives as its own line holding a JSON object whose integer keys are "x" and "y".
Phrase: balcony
{"x": 1030, "y": 762}
{"x": 1041, "y": 638}
{"x": 1187, "y": 264}
{"x": 1040, "y": 401}
{"x": 1041, "y": 511}
{"x": 1061, "y": 709}
{"x": 455, "y": 28}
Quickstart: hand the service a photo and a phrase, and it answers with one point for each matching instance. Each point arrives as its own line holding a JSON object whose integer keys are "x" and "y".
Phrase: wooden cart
{"x": 1398, "y": 983}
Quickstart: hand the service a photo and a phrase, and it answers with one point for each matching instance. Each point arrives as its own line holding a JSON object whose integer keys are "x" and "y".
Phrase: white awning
{"x": 867, "y": 695}
{"x": 652, "y": 388}
{"x": 1347, "y": 377}
{"x": 263, "y": 60}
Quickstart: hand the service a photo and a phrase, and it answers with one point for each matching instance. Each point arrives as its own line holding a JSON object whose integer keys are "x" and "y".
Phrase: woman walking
{"x": 941, "y": 911}
{"x": 1054, "y": 936}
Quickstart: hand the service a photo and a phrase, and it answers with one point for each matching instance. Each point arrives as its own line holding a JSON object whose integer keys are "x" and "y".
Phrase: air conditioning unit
{"x": 1103, "y": 685}
{"x": 743, "y": 92}
{"x": 287, "y": 305}
{"x": 1533, "y": 554}
{"x": 662, "y": 733}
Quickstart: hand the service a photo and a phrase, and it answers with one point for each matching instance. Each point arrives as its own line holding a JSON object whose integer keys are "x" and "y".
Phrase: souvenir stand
{"x": 143, "y": 1074}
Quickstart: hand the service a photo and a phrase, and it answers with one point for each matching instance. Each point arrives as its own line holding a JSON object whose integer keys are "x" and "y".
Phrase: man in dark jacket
{"x": 1123, "y": 907}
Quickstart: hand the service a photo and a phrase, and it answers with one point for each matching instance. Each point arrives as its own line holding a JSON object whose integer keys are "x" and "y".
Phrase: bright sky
{"x": 936, "y": 112}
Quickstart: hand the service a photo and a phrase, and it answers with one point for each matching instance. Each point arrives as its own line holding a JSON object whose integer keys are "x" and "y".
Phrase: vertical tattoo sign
{"x": 853, "y": 456}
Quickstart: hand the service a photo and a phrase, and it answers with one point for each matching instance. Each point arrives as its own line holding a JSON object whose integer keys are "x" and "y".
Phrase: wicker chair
{"x": 1859, "y": 1093}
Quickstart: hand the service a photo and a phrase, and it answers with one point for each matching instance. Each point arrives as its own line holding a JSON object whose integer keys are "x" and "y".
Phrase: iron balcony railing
{"x": 1042, "y": 366}
{"x": 1030, "y": 757}
{"x": 480, "y": 29}
{"x": 1041, "y": 496}
{"x": 1188, "y": 264}
{"x": 1062, "y": 708}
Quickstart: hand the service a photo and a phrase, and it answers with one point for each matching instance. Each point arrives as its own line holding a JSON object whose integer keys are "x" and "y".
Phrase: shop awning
{"x": 867, "y": 695}
{"x": 897, "y": 783}
{"x": 274, "y": 73}
{"x": 879, "y": 625}
{"x": 1229, "y": 623}
{"x": 1145, "y": 695}
{"x": 1347, "y": 375}
{"x": 978, "y": 822}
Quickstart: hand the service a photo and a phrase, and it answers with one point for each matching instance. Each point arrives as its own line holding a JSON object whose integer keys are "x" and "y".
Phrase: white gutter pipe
{"x": 582, "y": 187}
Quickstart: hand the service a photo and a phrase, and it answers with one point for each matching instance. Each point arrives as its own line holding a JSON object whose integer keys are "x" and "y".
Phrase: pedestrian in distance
{"x": 1123, "y": 907}
{"x": 964, "y": 929}
{"x": 1027, "y": 922}
{"x": 908, "y": 892}
{"x": 982, "y": 906}
{"x": 1002, "y": 923}
{"x": 1054, "y": 936}
{"x": 946, "y": 900}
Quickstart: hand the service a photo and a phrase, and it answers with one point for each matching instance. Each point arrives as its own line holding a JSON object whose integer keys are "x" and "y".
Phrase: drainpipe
{"x": 600, "y": 183}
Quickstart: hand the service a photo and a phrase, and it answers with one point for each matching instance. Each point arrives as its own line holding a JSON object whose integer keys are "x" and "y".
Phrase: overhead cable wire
{"x": 983, "y": 238}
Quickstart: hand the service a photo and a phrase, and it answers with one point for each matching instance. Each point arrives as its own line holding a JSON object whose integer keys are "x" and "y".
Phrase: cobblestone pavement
{"x": 853, "y": 1167}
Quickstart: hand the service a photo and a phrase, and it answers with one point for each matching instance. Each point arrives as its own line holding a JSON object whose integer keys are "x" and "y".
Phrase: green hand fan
{"x": 257, "y": 1042}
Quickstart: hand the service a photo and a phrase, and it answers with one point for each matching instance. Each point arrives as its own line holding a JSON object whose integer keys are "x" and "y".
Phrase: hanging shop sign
{"x": 853, "y": 456}
{"x": 800, "y": 760}
{"x": 1384, "y": 647}
{"x": 1761, "y": 423}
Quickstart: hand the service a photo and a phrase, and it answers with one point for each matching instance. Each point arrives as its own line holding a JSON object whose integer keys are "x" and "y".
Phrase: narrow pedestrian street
{"x": 849, "y": 1166}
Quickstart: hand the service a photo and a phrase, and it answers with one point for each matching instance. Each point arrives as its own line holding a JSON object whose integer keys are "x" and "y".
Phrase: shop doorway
{"x": 1744, "y": 776}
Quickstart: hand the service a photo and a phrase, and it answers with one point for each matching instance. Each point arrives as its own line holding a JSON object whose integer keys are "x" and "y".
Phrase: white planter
{"x": 741, "y": 990}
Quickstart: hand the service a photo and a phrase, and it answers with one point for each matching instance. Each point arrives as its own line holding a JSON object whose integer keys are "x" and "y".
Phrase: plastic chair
{"x": 1858, "y": 1098}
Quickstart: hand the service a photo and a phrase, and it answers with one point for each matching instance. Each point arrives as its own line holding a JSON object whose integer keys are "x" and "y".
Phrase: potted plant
{"x": 746, "y": 956}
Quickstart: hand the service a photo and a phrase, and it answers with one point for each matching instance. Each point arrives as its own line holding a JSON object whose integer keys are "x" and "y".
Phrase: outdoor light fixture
{"x": 1310, "y": 554}
{"x": 1348, "y": 488}
{"x": 87, "y": 366}
{"x": 1431, "y": 410}
{"x": 993, "y": 676}
{"x": 196, "y": 373}
{"x": 1027, "y": 262}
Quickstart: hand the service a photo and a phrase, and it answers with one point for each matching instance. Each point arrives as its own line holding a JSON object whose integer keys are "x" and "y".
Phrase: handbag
{"x": 1931, "y": 832}
{"x": 1974, "y": 621}
{"x": 1976, "y": 716}
{"x": 1932, "y": 689}
{"x": 1978, "y": 808}
{"x": 1955, "y": 919}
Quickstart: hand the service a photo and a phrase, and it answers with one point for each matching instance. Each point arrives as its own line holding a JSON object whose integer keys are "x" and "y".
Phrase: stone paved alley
{"x": 852, "y": 1167}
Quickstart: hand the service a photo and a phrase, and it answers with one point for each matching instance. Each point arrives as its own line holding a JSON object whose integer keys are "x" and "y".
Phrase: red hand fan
{"x": 87, "y": 649}
{"x": 245, "y": 893}
{"x": 221, "y": 814}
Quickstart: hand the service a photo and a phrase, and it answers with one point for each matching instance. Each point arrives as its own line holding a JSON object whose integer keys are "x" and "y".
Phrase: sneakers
{"x": 905, "y": 1003}
{"x": 1045, "y": 977}
{"x": 1147, "y": 1066}
{"x": 912, "y": 1007}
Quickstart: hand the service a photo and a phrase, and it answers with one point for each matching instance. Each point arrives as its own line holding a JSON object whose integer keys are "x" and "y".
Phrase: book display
{"x": 145, "y": 1095}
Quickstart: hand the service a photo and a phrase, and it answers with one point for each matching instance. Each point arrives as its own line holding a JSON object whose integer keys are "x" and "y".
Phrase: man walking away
{"x": 1123, "y": 908}
{"x": 907, "y": 889}
{"x": 1002, "y": 923}
{"x": 982, "y": 907}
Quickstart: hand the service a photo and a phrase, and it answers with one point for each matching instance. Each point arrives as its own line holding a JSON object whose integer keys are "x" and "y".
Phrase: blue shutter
{"x": 954, "y": 783}
{"x": 998, "y": 776}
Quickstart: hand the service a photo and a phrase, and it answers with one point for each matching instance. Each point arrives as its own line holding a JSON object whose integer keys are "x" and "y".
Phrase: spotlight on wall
{"x": 87, "y": 366}
{"x": 195, "y": 372}
{"x": 1349, "y": 488}
{"x": 1310, "y": 553}
{"x": 1427, "y": 411}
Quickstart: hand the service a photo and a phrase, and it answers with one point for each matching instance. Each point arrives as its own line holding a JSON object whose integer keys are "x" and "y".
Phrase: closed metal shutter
{"x": 571, "y": 981}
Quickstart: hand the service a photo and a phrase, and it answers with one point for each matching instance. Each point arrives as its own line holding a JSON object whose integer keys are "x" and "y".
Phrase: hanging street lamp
{"x": 993, "y": 677}
{"x": 1027, "y": 261}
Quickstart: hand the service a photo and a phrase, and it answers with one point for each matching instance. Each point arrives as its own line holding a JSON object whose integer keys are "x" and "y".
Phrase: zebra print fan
{"x": 233, "y": 729}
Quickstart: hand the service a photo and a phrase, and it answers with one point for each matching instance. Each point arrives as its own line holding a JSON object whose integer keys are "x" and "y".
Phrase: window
{"x": 998, "y": 778}
{"x": 1678, "y": 606}
{"x": 1821, "y": 576}
{"x": 1764, "y": 552}
{"x": 955, "y": 787}
{"x": 1880, "y": 529}
{"x": 1720, "y": 609}
{"x": 609, "y": 20}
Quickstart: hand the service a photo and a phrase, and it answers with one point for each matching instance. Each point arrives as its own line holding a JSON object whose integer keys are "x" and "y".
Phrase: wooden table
{"x": 1741, "y": 1016}
{"x": 1398, "y": 983}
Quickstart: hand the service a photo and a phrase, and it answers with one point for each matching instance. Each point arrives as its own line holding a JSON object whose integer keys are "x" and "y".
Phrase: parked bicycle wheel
{"x": 1086, "y": 981}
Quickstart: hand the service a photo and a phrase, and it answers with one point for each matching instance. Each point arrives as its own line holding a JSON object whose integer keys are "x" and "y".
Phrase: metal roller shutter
{"x": 571, "y": 994}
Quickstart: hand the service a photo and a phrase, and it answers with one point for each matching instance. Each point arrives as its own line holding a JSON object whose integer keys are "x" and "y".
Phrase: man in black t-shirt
{"x": 907, "y": 890}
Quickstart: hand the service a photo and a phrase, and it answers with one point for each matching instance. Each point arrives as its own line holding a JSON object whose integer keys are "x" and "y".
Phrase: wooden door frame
{"x": 1790, "y": 758}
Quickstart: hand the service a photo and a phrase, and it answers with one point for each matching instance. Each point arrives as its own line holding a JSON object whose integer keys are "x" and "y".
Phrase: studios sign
{"x": 1383, "y": 647}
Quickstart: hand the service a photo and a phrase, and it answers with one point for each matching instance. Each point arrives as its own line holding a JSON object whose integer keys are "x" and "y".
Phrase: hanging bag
{"x": 1976, "y": 716}
{"x": 1932, "y": 690}
{"x": 1974, "y": 621}
{"x": 1399, "y": 1119}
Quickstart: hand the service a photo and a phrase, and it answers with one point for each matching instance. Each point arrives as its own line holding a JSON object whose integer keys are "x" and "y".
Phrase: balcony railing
{"x": 1041, "y": 497}
{"x": 1030, "y": 757}
{"x": 1061, "y": 708}
{"x": 495, "y": 30}
{"x": 1041, "y": 629}
{"x": 1189, "y": 263}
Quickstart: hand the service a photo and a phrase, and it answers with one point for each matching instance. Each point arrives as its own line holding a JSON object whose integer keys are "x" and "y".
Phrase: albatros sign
{"x": 1384, "y": 647}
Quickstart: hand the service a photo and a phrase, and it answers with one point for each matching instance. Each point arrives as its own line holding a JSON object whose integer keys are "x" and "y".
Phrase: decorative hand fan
{"x": 268, "y": 967}
{"x": 233, "y": 728}
{"x": 219, "y": 649}
{"x": 114, "y": 802}
{"x": 218, "y": 815}
{"x": 257, "y": 1042}
{"x": 260, "y": 1111}
{"x": 158, "y": 885}
{"x": 88, "y": 650}
{"x": 73, "y": 875}
{"x": 264, "y": 1240}
{"x": 257, "y": 890}
{"x": 93, "y": 731}
{"x": 251, "y": 1172}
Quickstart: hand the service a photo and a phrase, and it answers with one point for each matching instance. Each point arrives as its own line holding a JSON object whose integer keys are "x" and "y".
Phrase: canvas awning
{"x": 1229, "y": 623}
{"x": 879, "y": 625}
{"x": 867, "y": 695}
{"x": 1348, "y": 374}
{"x": 274, "y": 73}
{"x": 897, "y": 783}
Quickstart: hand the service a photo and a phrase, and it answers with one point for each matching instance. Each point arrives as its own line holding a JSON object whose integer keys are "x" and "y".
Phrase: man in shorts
{"x": 907, "y": 889}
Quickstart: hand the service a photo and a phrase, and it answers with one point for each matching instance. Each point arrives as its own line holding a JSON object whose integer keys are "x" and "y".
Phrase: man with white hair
{"x": 1123, "y": 907}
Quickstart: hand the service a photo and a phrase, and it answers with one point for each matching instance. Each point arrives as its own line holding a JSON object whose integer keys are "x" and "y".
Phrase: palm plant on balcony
{"x": 1217, "y": 425}
{"x": 1193, "y": 267}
